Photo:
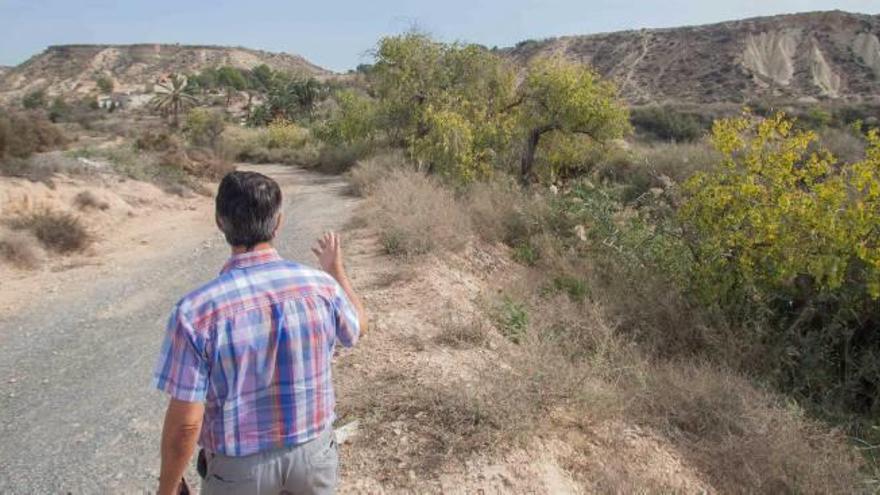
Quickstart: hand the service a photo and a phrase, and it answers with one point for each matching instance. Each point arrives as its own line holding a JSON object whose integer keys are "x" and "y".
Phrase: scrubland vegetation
{"x": 712, "y": 278}
{"x": 708, "y": 273}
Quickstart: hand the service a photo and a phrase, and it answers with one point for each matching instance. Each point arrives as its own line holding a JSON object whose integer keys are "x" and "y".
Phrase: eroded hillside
{"x": 72, "y": 70}
{"x": 800, "y": 56}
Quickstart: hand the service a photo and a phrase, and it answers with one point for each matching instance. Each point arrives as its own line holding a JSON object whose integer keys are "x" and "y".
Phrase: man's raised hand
{"x": 328, "y": 249}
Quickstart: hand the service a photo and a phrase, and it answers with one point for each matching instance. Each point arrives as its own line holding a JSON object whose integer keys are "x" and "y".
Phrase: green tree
{"x": 232, "y": 80}
{"x": 261, "y": 77}
{"x": 563, "y": 96}
{"x": 105, "y": 84}
{"x": 444, "y": 101}
{"x": 203, "y": 127}
{"x": 289, "y": 98}
{"x": 783, "y": 226}
{"x": 354, "y": 121}
{"x": 173, "y": 96}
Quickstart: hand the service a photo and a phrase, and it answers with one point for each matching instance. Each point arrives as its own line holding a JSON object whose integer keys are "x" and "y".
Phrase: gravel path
{"x": 77, "y": 412}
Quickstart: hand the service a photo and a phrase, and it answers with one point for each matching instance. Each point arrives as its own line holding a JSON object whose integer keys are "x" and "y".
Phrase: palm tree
{"x": 173, "y": 97}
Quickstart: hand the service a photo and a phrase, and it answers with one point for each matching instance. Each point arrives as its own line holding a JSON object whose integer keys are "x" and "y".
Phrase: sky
{"x": 338, "y": 35}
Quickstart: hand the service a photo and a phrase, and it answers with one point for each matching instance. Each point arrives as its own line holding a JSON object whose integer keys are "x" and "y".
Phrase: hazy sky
{"x": 337, "y": 35}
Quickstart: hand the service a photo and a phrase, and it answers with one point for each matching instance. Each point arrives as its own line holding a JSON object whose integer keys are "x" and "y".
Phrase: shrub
{"x": 57, "y": 231}
{"x": 368, "y": 173}
{"x": 817, "y": 118}
{"x": 151, "y": 140}
{"x": 20, "y": 250}
{"x": 415, "y": 215}
{"x": 104, "y": 84}
{"x": 285, "y": 135}
{"x": 513, "y": 319}
{"x": 335, "y": 159}
{"x": 353, "y": 122}
{"x": 87, "y": 199}
{"x": 34, "y": 100}
{"x": 502, "y": 212}
{"x": 666, "y": 123}
{"x": 564, "y": 156}
{"x": 280, "y": 142}
{"x": 461, "y": 332}
{"x": 784, "y": 229}
{"x": 203, "y": 127}
{"x": 743, "y": 439}
{"x": 22, "y": 134}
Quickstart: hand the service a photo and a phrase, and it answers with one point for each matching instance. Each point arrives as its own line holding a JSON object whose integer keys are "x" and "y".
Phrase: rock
{"x": 580, "y": 232}
{"x": 347, "y": 431}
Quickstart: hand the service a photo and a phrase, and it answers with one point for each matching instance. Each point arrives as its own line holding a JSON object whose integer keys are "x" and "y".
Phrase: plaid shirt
{"x": 255, "y": 344}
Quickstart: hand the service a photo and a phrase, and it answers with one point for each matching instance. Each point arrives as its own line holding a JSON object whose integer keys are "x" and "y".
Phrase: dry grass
{"x": 370, "y": 172}
{"x": 20, "y": 250}
{"x": 57, "y": 231}
{"x": 500, "y": 211}
{"x": 744, "y": 439}
{"x": 416, "y": 215}
{"x": 461, "y": 331}
{"x": 603, "y": 344}
{"x": 424, "y": 426}
{"x": 85, "y": 200}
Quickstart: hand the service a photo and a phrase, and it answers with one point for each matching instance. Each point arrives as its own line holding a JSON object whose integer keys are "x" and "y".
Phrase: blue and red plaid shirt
{"x": 255, "y": 344}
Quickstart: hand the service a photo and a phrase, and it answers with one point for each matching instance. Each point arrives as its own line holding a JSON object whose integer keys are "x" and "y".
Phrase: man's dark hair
{"x": 248, "y": 204}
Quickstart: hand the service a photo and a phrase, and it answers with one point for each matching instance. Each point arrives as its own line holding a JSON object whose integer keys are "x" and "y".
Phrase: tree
{"x": 232, "y": 80}
{"x": 105, "y": 85}
{"x": 289, "y": 98}
{"x": 173, "y": 97}
{"x": 261, "y": 77}
{"x": 783, "y": 225}
{"x": 447, "y": 102}
{"x": 564, "y": 96}
{"x": 354, "y": 121}
{"x": 203, "y": 127}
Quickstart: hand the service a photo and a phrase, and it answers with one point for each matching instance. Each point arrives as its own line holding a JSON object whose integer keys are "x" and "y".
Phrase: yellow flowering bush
{"x": 780, "y": 207}
{"x": 785, "y": 232}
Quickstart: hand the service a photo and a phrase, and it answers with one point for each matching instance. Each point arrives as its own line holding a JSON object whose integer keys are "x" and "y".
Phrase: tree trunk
{"x": 528, "y": 157}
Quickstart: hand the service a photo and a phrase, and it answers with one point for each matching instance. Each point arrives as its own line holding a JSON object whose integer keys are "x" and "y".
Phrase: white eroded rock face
{"x": 769, "y": 56}
{"x": 823, "y": 75}
{"x": 866, "y": 46}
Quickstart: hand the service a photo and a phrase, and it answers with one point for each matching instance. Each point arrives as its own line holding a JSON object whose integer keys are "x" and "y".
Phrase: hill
{"x": 831, "y": 55}
{"x": 72, "y": 70}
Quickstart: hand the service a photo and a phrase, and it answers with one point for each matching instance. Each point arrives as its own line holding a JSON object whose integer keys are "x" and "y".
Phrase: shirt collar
{"x": 251, "y": 258}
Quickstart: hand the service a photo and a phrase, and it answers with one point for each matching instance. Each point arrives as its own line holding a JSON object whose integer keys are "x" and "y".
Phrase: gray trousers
{"x": 308, "y": 468}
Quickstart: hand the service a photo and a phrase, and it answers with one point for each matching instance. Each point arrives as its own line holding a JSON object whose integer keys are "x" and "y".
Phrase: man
{"x": 246, "y": 358}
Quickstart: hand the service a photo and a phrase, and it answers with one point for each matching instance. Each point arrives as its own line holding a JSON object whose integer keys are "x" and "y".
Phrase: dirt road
{"x": 77, "y": 411}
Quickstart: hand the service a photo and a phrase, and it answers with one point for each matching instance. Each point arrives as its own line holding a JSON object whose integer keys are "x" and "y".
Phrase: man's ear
{"x": 278, "y": 224}
{"x": 219, "y": 222}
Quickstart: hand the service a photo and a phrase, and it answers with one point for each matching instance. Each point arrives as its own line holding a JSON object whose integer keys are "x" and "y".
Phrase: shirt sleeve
{"x": 348, "y": 325}
{"x": 182, "y": 370}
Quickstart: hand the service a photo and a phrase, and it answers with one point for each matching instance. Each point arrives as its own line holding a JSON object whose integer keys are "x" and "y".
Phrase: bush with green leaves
{"x": 785, "y": 231}
{"x": 105, "y": 84}
{"x": 667, "y": 124}
{"x": 203, "y": 127}
{"x": 354, "y": 121}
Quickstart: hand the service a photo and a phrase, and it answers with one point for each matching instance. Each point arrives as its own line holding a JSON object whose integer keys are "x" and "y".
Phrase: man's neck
{"x": 259, "y": 247}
